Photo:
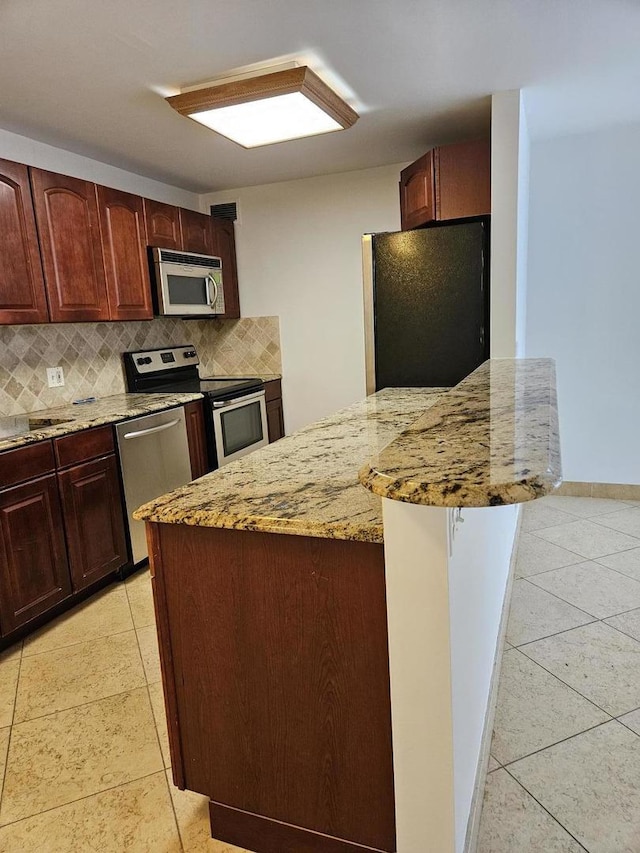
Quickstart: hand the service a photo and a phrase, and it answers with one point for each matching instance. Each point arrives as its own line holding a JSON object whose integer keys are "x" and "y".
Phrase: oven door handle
{"x": 246, "y": 398}
{"x": 211, "y": 281}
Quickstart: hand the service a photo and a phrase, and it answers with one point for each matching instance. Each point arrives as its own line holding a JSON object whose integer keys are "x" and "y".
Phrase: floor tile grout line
{"x": 544, "y": 808}
{"x": 80, "y": 799}
{"x": 575, "y": 690}
{"x": 173, "y": 809}
{"x": 555, "y": 595}
{"x": 583, "y": 558}
{"x": 80, "y": 643}
{"x": 155, "y": 723}
{"x": 557, "y": 742}
{"x": 80, "y": 705}
{"x": 555, "y": 634}
{"x": 566, "y": 601}
{"x": 11, "y": 724}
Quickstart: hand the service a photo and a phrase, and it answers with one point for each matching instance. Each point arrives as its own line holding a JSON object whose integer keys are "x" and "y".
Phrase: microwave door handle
{"x": 211, "y": 281}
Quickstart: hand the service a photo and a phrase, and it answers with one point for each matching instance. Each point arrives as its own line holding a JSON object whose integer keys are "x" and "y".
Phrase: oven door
{"x": 189, "y": 290}
{"x": 240, "y": 426}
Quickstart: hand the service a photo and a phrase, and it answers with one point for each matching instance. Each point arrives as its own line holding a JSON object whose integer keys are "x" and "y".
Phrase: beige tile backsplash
{"x": 90, "y": 354}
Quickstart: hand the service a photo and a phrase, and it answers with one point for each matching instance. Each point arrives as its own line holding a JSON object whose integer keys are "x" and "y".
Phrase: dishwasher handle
{"x": 140, "y": 432}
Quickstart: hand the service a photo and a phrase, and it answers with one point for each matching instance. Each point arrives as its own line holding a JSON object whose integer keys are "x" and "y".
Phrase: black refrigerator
{"x": 426, "y": 296}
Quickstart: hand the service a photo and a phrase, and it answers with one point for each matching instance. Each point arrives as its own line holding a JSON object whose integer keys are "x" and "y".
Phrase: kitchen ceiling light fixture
{"x": 268, "y": 108}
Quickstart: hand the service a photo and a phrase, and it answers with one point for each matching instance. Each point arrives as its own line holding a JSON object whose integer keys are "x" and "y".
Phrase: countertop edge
{"x": 446, "y": 494}
{"x": 72, "y": 426}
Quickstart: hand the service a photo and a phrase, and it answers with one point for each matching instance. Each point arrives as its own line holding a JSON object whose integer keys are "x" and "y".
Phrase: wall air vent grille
{"x": 229, "y": 211}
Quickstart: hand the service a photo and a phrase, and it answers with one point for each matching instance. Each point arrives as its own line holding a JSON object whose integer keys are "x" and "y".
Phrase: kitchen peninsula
{"x": 300, "y": 660}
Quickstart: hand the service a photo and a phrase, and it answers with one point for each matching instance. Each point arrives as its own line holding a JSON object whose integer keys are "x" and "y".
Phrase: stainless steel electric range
{"x": 235, "y": 410}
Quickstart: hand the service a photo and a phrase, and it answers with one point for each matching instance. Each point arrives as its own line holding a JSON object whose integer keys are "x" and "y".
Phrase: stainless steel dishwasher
{"x": 154, "y": 459}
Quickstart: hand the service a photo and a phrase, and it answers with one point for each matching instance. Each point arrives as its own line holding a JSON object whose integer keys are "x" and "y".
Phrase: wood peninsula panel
{"x": 22, "y": 293}
{"x": 275, "y": 662}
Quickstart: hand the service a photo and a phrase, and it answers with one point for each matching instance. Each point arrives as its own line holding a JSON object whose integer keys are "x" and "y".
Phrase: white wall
{"x": 509, "y": 223}
{"x": 584, "y": 295}
{"x": 299, "y": 256}
{"x": 33, "y": 153}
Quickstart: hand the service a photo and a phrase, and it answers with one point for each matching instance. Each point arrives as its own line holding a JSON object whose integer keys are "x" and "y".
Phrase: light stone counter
{"x": 15, "y": 432}
{"x": 304, "y": 484}
{"x": 491, "y": 440}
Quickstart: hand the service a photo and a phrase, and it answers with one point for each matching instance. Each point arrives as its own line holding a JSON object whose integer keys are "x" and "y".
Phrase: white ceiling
{"x": 85, "y": 75}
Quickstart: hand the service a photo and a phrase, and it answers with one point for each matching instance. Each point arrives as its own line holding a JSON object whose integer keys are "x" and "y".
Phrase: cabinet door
{"x": 67, "y": 217}
{"x": 34, "y": 575}
{"x": 417, "y": 204}
{"x": 93, "y": 520}
{"x": 275, "y": 420}
{"x": 196, "y": 436}
{"x": 22, "y": 294}
{"x": 197, "y": 232}
{"x": 225, "y": 248}
{"x": 463, "y": 179}
{"x": 162, "y": 225}
{"x": 125, "y": 255}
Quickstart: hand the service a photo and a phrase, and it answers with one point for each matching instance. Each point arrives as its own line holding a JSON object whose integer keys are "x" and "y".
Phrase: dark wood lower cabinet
{"x": 275, "y": 420}
{"x": 276, "y": 676}
{"x": 93, "y": 520}
{"x": 275, "y": 412}
{"x": 196, "y": 436}
{"x": 34, "y": 575}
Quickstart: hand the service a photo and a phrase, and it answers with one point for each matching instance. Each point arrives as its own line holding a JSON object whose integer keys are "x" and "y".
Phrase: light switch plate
{"x": 55, "y": 377}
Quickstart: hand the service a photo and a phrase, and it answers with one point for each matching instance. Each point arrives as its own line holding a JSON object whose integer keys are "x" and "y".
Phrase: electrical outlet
{"x": 55, "y": 377}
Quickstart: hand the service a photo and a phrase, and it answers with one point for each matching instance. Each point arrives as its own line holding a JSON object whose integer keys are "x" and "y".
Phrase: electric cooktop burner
{"x": 174, "y": 370}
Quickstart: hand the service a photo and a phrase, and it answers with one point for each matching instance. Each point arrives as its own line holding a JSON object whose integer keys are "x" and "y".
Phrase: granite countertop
{"x": 304, "y": 484}
{"x": 491, "y": 440}
{"x": 14, "y": 429}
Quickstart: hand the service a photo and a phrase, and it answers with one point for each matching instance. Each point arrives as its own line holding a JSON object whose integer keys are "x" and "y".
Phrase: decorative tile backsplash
{"x": 90, "y": 354}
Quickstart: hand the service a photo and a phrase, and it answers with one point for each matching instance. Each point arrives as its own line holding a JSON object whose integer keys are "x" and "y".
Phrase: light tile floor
{"x": 84, "y": 755}
{"x": 564, "y": 774}
{"x": 84, "y": 760}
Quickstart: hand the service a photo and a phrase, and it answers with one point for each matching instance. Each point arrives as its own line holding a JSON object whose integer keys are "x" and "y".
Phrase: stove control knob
{"x": 147, "y": 360}
{"x": 189, "y": 354}
{"x": 140, "y": 361}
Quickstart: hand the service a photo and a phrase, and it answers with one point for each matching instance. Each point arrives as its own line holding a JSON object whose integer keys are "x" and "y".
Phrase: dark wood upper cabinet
{"x": 93, "y": 520}
{"x": 225, "y": 248}
{"x": 125, "y": 254}
{"x": 162, "y": 224}
{"x": 417, "y": 193}
{"x": 69, "y": 230}
{"x": 463, "y": 179}
{"x": 447, "y": 183}
{"x": 197, "y": 232}
{"x": 22, "y": 293}
{"x": 34, "y": 575}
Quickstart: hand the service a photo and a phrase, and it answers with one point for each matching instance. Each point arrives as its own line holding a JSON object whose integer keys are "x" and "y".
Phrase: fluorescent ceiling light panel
{"x": 268, "y": 108}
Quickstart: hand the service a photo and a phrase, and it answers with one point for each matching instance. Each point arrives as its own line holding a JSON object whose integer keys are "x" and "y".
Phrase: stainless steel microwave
{"x": 187, "y": 284}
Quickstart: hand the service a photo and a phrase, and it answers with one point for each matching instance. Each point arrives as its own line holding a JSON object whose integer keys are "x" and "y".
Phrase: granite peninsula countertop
{"x": 306, "y": 483}
{"x": 491, "y": 440}
{"x": 15, "y": 432}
